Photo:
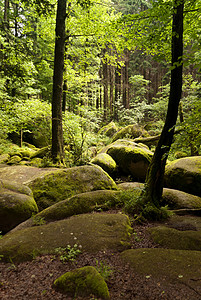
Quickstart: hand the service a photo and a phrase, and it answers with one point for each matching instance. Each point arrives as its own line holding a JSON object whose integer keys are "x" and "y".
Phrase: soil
{"x": 33, "y": 280}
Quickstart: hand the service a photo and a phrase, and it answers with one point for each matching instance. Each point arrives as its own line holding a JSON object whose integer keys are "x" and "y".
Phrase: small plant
{"x": 68, "y": 253}
{"x": 104, "y": 270}
{"x": 38, "y": 220}
{"x": 1, "y": 256}
{"x": 1, "y": 235}
{"x": 136, "y": 237}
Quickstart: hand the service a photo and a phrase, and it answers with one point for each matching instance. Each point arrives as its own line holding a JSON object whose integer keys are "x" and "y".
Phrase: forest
{"x": 100, "y": 157}
{"x": 117, "y": 65}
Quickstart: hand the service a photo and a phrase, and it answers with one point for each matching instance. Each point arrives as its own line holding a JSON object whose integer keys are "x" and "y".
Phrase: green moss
{"x": 14, "y": 209}
{"x": 79, "y": 204}
{"x": 184, "y": 174}
{"x": 109, "y": 129}
{"x": 41, "y": 152}
{"x": 14, "y": 160}
{"x": 65, "y": 183}
{"x": 85, "y": 281}
{"x": 168, "y": 264}
{"x": 175, "y": 239}
{"x": 130, "y": 131}
{"x": 92, "y": 232}
{"x": 177, "y": 199}
{"x": 106, "y": 162}
{"x": 4, "y": 158}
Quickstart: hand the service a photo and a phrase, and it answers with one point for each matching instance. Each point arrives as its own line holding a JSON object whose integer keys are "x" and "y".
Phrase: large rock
{"x": 78, "y": 204}
{"x": 106, "y": 162}
{"x": 130, "y": 131}
{"x": 177, "y": 199}
{"x": 109, "y": 129}
{"x": 167, "y": 265}
{"x": 22, "y": 174}
{"x": 131, "y": 158}
{"x": 93, "y": 232}
{"x": 176, "y": 239}
{"x": 84, "y": 281}
{"x": 184, "y": 174}
{"x": 16, "y": 204}
{"x": 64, "y": 183}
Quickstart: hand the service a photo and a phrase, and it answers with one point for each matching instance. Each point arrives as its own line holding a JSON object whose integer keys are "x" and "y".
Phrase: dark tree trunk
{"x": 64, "y": 96}
{"x": 105, "y": 85}
{"x": 117, "y": 91}
{"x": 57, "y": 131}
{"x": 154, "y": 180}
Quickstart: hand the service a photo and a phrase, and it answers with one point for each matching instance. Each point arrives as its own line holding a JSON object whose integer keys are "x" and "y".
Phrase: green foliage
{"x": 133, "y": 205}
{"x": 38, "y": 220}
{"x": 104, "y": 269}
{"x": 68, "y": 253}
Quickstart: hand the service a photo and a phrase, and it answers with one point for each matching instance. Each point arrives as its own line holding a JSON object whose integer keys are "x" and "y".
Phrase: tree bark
{"x": 155, "y": 175}
{"x": 57, "y": 131}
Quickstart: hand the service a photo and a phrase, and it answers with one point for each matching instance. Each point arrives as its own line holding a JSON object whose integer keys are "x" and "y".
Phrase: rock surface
{"x": 78, "y": 204}
{"x": 93, "y": 232}
{"x": 16, "y": 205}
{"x": 64, "y": 183}
{"x": 184, "y": 174}
{"x": 176, "y": 239}
{"x": 174, "y": 266}
{"x": 106, "y": 162}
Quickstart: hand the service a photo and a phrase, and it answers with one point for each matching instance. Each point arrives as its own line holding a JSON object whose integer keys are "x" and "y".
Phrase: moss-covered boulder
{"x": 106, "y": 162}
{"x": 176, "y": 239}
{"x": 64, "y": 183}
{"x": 177, "y": 199}
{"x": 131, "y": 160}
{"x": 93, "y": 232}
{"x": 130, "y": 186}
{"x": 36, "y": 161}
{"x": 16, "y": 205}
{"x": 84, "y": 281}
{"x": 23, "y": 174}
{"x": 131, "y": 132}
{"x": 184, "y": 174}
{"x": 171, "y": 266}
{"x": 14, "y": 160}
{"x": 40, "y": 153}
{"x": 109, "y": 129}
{"x": 78, "y": 204}
{"x": 4, "y": 158}
{"x": 186, "y": 222}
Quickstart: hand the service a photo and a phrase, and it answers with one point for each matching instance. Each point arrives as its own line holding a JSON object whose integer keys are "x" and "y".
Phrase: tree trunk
{"x": 57, "y": 131}
{"x": 105, "y": 85}
{"x": 155, "y": 176}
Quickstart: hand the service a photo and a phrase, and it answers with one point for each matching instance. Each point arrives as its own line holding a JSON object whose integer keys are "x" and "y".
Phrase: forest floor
{"x": 33, "y": 280}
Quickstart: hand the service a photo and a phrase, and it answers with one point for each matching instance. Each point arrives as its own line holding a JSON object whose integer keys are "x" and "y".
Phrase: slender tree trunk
{"x": 154, "y": 180}
{"x": 105, "y": 82}
{"x": 57, "y": 131}
{"x": 117, "y": 91}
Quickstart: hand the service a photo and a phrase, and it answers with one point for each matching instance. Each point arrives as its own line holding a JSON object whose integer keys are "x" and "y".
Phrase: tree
{"x": 154, "y": 180}
{"x": 57, "y": 131}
